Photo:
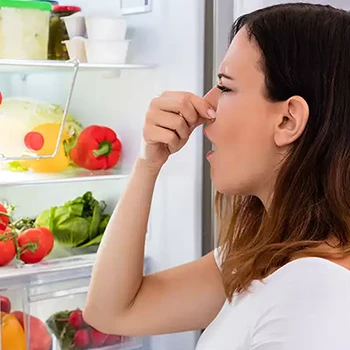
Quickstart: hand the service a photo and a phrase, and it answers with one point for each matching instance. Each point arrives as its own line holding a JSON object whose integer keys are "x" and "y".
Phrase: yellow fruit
{"x": 50, "y": 132}
{"x": 12, "y": 333}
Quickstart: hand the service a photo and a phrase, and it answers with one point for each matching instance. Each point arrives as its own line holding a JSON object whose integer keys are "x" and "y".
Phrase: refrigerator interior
{"x": 244, "y": 6}
{"x": 169, "y": 38}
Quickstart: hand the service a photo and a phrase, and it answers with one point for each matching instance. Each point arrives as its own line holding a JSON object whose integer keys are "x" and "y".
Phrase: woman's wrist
{"x": 147, "y": 168}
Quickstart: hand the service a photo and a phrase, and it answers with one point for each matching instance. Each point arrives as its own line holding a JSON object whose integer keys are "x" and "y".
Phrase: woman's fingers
{"x": 156, "y": 134}
{"x": 189, "y": 105}
{"x": 174, "y": 122}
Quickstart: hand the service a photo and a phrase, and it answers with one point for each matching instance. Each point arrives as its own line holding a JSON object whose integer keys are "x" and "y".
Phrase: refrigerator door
{"x": 218, "y": 21}
{"x": 171, "y": 35}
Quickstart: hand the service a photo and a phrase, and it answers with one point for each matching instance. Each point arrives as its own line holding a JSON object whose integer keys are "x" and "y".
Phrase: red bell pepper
{"x": 97, "y": 148}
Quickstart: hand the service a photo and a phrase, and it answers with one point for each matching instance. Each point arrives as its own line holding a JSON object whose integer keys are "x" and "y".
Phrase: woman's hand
{"x": 170, "y": 120}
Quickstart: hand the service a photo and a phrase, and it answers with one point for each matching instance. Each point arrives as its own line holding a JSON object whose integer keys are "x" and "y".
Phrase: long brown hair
{"x": 305, "y": 51}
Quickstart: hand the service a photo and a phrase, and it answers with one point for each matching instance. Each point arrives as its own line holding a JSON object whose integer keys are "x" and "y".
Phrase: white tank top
{"x": 305, "y": 305}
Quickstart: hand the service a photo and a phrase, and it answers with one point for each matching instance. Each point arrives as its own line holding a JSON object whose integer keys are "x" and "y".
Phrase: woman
{"x": 280, "y": 122}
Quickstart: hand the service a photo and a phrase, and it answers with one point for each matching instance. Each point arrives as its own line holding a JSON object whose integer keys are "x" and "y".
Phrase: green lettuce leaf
{"x": 76, "y": 223}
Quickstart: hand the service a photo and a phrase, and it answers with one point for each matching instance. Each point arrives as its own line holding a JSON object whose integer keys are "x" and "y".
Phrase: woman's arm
{"x": 122, "y": 301}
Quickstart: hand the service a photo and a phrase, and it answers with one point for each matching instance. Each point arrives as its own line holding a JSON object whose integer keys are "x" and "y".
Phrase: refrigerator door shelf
{"x": 9, "y": 178}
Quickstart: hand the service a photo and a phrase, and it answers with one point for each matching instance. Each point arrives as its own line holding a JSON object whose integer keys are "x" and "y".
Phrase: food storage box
{"x": 105, "y": 28}
{"x": 42, "y": 306}
{"x": 24, "y": 30}
{"x": 106, "y": 52}
{"x": 76, "y": 49}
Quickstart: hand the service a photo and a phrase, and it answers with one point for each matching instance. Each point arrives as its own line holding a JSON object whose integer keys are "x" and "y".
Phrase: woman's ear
{"x": 292, "y": 123}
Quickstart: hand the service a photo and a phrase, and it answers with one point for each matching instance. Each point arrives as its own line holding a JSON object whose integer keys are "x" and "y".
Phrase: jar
{"x": 24, "y": 29}
{"x": 58, "y": 31}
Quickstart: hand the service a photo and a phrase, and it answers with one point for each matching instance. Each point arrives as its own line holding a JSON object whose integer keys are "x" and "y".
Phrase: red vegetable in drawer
{"x": 4, "y": 218}
{"x": 7, "y": 247}
{"x": 81, "y": 338}
{"x": 5, "y": 304}
{"x": 40, "y": 338}
{"x": 97, "y": 148}
{"x": 97, "y": 338}
{"x": 75, "y": 319}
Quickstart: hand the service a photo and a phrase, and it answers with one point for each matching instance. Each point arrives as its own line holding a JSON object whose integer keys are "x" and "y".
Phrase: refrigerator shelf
{"x": 47, "y": 271}
{"x": 72, "y": 268}
{"x": 10, "y": 178}
{"x": 36, "y": 66}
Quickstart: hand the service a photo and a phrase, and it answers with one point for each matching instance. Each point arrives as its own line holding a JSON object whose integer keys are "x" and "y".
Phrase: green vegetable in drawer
{"x": 80, "y": 222}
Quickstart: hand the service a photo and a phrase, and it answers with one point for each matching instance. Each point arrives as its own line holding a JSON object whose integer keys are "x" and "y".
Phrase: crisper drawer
{"x": 50, "y": 314}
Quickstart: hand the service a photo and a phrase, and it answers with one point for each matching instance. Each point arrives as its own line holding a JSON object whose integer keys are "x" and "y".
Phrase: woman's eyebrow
{"x": 222, "y": 75}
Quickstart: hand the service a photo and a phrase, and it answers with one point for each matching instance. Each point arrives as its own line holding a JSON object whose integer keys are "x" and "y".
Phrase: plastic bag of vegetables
{"x": 21, "y": 115}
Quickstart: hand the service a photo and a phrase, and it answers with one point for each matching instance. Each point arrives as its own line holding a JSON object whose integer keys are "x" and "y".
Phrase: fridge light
{"x": 130, "y": 7}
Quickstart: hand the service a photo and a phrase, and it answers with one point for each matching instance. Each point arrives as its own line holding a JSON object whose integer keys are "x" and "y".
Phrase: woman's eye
{"x": 223, "y": 88}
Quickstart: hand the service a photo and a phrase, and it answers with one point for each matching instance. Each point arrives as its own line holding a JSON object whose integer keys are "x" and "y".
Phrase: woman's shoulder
{"x": 305, "y": 304}
{"x": 308, "y": 279}
{"x": 310, "y": 268}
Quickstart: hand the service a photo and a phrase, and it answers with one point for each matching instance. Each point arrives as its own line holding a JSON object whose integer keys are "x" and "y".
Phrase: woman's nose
{"x": 212, "y": 97}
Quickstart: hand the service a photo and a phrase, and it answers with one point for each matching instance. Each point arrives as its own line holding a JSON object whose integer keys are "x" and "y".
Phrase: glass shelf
{"x": 47, "y": 270}
{"x": 27, "y": 66}
{"x": 10, "y": 178}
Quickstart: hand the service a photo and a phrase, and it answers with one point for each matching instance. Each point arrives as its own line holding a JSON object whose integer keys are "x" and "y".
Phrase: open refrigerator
{"x": 175, "y": 45}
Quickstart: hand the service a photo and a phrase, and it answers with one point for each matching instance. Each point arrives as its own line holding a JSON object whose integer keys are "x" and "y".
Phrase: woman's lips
{"x": 213, "y": 146}
{"x": 209, "y": 154}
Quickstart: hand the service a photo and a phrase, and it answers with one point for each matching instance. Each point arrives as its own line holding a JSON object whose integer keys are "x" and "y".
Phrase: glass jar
{"x": 58, "y": 32}
{"x": 24, "y": 29}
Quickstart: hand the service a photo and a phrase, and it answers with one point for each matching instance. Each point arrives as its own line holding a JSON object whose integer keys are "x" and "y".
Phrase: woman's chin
{"x": 230, "y": 187}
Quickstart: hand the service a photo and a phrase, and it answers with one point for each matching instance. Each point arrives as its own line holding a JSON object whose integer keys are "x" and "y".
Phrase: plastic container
{"x": 75, "y": 25}
{"x": 52, "y": 2}
{"x": 24, "y": 29}
{"x": 58, "y": 31}
{"x": 106, "y": 52}
{"x": 104, "y": 28}
{"x": 76, "y": 49}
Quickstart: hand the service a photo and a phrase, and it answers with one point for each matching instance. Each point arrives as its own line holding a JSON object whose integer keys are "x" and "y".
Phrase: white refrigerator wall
{"x": 171, "y": 36}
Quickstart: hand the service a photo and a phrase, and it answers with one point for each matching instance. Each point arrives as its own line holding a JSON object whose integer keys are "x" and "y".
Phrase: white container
{"x": 25, "y": 29}
{"x": 106, "y": 52}
{"x": 104, "y": 28}
{"x": 76, "y": 49}
{"x": 75, "y": 25}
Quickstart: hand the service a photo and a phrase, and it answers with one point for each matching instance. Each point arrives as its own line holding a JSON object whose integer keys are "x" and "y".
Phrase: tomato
{"x": 7, "y": 247}
{"x": 48, "y": 238}
{"x": 33, "y": 245}
{"x": 0, "y": 98}
{"x": 4, "y": 218}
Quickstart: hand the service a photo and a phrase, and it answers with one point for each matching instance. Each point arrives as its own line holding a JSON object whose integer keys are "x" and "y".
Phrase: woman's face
{"x": 245, "y": 155}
